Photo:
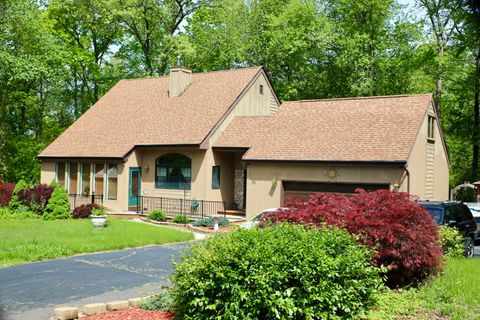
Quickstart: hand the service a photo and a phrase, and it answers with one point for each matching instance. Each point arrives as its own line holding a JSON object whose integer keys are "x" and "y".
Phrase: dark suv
{"x": 454, "y": 214}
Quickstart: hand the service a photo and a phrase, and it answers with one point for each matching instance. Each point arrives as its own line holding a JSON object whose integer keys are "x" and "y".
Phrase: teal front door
{"x": 134, "y": 186}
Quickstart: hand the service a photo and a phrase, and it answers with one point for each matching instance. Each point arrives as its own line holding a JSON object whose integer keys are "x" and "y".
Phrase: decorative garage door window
{"x": 173, "y": 171}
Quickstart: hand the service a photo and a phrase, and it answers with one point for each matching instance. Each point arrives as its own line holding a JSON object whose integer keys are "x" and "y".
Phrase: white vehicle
{"x": 253, "y": 221}
{"x": 475, "y": 210}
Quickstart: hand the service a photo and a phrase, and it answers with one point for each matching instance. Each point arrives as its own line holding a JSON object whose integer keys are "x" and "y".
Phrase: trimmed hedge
{"x": 280, "y": 272}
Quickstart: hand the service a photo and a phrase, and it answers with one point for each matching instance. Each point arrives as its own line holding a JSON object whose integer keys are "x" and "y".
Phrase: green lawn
{"x": 455, "y": 294}
{"x": 32, "y": 240}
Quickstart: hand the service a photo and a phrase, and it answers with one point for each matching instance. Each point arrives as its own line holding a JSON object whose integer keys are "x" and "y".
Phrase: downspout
{"x": 407, "y": 174}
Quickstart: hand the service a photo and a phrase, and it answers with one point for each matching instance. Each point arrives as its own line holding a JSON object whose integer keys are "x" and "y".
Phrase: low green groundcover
{"x": 35, "y": 239}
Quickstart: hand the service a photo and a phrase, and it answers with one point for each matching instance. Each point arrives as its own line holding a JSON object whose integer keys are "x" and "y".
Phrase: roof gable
{"x": 139, "y": 112}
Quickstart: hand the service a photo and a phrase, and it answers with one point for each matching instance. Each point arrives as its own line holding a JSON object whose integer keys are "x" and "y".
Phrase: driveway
{"x": 31, "y": 291}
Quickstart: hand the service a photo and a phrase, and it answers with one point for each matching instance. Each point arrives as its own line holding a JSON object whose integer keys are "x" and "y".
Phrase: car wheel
{"x": 469, "y": 247}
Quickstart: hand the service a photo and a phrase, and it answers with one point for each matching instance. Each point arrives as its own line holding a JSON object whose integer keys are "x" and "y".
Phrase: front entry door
{"x": 134, "y": 186}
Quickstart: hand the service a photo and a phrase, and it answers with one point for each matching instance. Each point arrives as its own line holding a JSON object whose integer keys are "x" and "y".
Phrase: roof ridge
{"x": 360, "y": 98}
{"x": 227, "y": 70}
{"x": 193, "y": 73}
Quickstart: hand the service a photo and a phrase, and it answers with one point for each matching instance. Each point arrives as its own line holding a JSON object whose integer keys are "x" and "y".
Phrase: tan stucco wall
{"x": 261, "y": 193}
{"x": 417, "y": 163}
{"x": 47, "y": 173}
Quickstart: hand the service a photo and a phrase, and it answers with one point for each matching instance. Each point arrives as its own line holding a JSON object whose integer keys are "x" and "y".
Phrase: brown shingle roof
{"x": 358, "y": 129}
{"x": 139, "y": 112}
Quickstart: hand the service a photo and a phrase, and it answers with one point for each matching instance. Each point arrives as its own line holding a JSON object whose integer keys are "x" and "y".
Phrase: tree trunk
{"x": 439, "y": 82}
{"x": 476, "y": 121}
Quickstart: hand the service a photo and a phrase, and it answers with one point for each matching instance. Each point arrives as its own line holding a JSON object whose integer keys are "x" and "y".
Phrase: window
{"x": 99, "y": 173}
{"x": 261, "y": 89}
{"x": 60, "y": 174}
{"x": 173, "y": 171}
{"x": 85, "y": 179}
{"x": 73, "y": 178}
{"x": 112, "y": 177}
{"x": 431, "y": 127}
{"x": 216, "y": 177}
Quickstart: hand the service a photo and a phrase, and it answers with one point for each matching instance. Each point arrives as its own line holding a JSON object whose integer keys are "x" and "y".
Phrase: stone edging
{"x": 181, "y": 226}
{"x": 71, "y": 313}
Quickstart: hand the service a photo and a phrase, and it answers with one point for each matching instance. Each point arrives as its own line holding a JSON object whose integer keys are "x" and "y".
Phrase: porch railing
{"x": 194, "y": 209}
{"x": 79, "y": 199}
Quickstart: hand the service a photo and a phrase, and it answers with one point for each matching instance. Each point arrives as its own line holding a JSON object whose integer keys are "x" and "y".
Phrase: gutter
{"x": 407, "y": 174}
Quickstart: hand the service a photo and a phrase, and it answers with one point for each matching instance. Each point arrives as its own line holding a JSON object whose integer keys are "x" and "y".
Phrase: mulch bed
{"x": 132, "y": 314}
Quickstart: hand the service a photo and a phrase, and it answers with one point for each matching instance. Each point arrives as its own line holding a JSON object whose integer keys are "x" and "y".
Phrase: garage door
{"x": 302, "y": 190}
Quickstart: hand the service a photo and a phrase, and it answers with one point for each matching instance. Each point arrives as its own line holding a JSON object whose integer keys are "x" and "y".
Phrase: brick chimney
{"x": 180, "y": 79}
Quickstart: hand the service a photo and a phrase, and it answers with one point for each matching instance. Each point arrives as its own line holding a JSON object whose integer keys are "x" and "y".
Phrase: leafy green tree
{"x": 443, "y": 16}
{"x": 88, "y": 31}
{"x": 150, "y": 33}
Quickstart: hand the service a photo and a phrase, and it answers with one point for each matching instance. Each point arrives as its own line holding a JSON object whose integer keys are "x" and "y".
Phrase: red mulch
{"x": 132, "y": 314}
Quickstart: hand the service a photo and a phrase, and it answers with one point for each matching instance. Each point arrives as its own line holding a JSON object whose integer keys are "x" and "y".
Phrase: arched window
{"x": 173, "y": 171}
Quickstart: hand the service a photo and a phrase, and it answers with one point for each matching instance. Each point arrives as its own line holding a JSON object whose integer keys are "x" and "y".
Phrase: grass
{"x": 454, "y": 294}
{"x": 33, "y": 240}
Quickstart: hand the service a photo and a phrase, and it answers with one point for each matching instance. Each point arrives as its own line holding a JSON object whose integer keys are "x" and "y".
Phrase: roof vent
{"x": 180, "y": 79}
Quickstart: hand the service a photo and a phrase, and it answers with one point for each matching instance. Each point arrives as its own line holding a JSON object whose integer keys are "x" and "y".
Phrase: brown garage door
{"x": 302, "y": 190}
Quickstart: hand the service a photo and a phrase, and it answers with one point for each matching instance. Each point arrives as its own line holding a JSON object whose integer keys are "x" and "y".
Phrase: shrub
{"x": 36, "y": 197}
{"x": 161, "y": 302}
{"x": 181, "y": 219}
{"x": 406, "y": 237}
{"x": 58, "y": 206}
{"x": 6, "y": 191}
{"x": 100, "y": 211}
{"x": 84, "y": 211}
{"x": 281, "y": 272}
{"x": 209, "y": 222}
{"x": 452, "y": 242}
{"x": 466, "y": 194}
{"x": 15, "y": 202}
{"x": 19, "y": 214}
{"x": 157, "y": 215}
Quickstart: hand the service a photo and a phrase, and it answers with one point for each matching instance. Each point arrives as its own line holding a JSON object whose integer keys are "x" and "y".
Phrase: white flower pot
{"x": 98, "y": 221}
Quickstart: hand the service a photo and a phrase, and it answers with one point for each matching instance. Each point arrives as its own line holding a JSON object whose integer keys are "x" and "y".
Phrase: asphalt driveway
{"x": 31, "y": 291}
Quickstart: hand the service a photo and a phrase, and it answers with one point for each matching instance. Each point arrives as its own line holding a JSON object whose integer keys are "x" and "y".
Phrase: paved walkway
{"x": 31, "y": 291}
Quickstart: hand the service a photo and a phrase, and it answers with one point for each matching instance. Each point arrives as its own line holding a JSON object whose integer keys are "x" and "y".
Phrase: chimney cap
{"x": 180, "y": 68}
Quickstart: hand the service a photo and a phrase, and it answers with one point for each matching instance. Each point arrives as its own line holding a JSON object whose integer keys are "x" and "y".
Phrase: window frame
{"x": 108, "y": 182}
{"x": 64, "y": 174}
{"x": 431, "y": 128}
{"x": 218, "y": 170}
{"x": 175, "y": 166}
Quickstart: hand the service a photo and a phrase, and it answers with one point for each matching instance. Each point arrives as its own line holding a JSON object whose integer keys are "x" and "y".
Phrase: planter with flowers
{"x": 99, "y": 217}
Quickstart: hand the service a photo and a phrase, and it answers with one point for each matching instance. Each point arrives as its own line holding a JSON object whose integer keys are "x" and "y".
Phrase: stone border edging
{"x": 72, "y": 313}
{"x": 181, "y": 226}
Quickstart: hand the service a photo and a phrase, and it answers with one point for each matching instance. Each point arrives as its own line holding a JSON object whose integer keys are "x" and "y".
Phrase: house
{"x": 219, "y": 141}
